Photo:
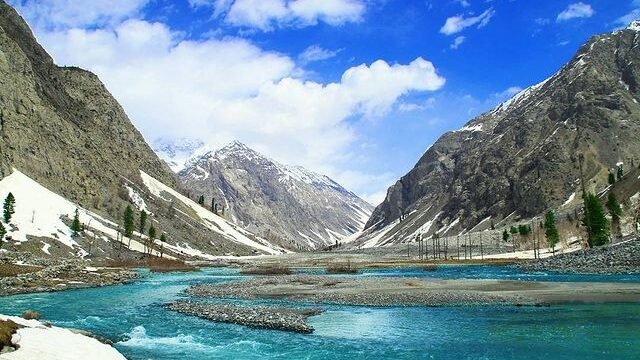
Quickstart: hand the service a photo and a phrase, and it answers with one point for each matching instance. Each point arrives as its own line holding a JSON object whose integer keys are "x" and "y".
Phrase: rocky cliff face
{"x": 288, "y": 205}
{"x": 62, "y": 128}
{"x": 521, "y": 158}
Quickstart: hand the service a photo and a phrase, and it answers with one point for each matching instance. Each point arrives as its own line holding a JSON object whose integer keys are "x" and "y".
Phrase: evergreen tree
{"x": 524, "y": 230}
{"x": 615, "y": 211}
{"x": 201, "y": 200}
{"x": 620, "y": 172}
{"x": 612, "y": 178}
{"x": 75, "y": 224}
{"x": 152, "y": 233}
{"x": 551, "y": 231}
{"x": 9, "y": 207}
{"x": 595, "y": 221}
{"x": 3, "y": 232}
{"x": 213, "y": 205}
{"x": 129, "y": 222}
{"x": 505, "y": 235}
{"x": 163, "y": 238}
{"x": 514, "y": 230}
{"x": 143, "y": 221}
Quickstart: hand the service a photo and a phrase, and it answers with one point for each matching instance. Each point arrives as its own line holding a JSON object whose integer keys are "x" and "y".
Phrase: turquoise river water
{"x": 132, "y": 316}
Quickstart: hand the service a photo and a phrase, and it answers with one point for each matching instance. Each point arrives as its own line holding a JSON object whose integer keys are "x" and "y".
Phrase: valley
{"x": 254, "y": 226}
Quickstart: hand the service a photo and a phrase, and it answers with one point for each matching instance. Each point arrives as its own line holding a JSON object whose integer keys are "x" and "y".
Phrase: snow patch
{"x": 37, "y": 341}
{"x": 137, "y": 200}
{"x": 570, "y": 199}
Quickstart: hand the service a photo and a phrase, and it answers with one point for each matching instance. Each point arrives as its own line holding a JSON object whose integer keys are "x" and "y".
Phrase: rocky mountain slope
{"x": 522, "y": 157}
{"x": 287, "y": 205}
{"x": 66, "y": 143}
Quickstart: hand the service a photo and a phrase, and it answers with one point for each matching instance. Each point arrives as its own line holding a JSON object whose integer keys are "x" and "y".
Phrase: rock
{"x": 31, "y": 315}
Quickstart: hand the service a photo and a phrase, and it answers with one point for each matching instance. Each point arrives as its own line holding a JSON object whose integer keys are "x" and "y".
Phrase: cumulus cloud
{"x": 69, "y": 13}
{"x": 219, "y": 90}
{"x": 575, "y": 11}
{"x": 316, "y": 53}
{"x": 265, "y": 15}
{"x": 456, "y": 24}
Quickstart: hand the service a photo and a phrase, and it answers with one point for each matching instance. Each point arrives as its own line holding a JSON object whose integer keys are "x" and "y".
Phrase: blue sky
{"x": 354, "y": 89}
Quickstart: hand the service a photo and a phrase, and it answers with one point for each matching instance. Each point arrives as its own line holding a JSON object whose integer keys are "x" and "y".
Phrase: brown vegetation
{"x": 266, "y": 270}
{"x": 153, "y": 263}
{"x": 341, "y": 269}
{"x": 7, "y": 329}
{"x": 7, "y": 270}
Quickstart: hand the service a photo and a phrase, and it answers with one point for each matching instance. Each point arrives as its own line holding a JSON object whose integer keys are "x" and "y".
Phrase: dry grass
{"x": 7, "y": 329}
{"x": 341, "y": 269}
{"x": 154, "y": 264}
{"x": 412, "y": 284}
{"x": 7, "y": 270}
{"x": 266, "y": 270}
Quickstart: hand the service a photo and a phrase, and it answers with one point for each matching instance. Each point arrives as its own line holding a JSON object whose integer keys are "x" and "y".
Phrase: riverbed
{"x": 133, "y": 317}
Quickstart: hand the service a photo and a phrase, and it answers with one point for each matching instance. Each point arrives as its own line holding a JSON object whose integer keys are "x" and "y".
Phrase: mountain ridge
{"x": 521, "y": 158}
{"x": 242, "y": 178}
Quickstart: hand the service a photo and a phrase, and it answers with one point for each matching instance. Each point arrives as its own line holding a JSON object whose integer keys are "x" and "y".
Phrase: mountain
{"x": 176, "y": 152}
{"x": 66, "y": 144}
{"x": 522, "y": 158}
{"x": 288, "y": 205}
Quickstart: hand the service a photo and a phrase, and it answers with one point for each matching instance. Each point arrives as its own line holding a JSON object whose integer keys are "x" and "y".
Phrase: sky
{"x": 354, "y": 89}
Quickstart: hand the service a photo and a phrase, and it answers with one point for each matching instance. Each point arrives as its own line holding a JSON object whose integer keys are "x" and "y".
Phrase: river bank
{"x": 21, "y": 273}
{"x": 621, "y": 258}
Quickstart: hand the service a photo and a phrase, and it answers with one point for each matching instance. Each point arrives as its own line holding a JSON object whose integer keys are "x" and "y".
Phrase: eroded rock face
{"x": 287, "y": 205}
{"x": 522, "y": 157}
{"x": 62, "y": 128}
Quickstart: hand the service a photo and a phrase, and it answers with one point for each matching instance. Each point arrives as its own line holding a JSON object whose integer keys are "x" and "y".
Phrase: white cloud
{"x": 634, "y": 14}
{"x": 575, "y": 11}
{"x": 411, "y": 107}
{"x": 316, "y": 53}
{"x": 70, "y": 13}
{"x": 265, "y": 15}
{"x": 507, "y": 93}
{"x": 457, "y": 42}
{"x": 456, "y": 24}
{"x": 463, "y": 3}
{"x": 221, "y": 90}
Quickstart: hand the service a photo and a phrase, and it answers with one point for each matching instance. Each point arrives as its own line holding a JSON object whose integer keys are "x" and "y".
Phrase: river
{"x": 132, "y": 316}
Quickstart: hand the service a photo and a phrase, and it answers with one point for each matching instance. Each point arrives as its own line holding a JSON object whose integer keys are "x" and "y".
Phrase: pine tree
{"x": 128, "y": 222}
{"x": 75, "y": 224}
{"x": 143, "y": 221}
{"x": 9, "y": 207}
{"x": 595, "y": 221}
{"x": 505, "y": 235}
{"x": 201, "y": 200}
{"x": 612, "y": 178}
{"x": 152, "y": 233}
{"x": 3, "y": 232}
{"x": 514, "y": 230}
{"x": 213, "y": 205}
{"x": 615, "y": 211}
{"x": 163, "y": 238}
{"x": 620, "y": 172}
{"x": 551, "y": 231}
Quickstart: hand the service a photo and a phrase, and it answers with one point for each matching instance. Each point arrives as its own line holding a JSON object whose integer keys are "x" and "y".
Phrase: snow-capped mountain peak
{"x": 297, "y": 206}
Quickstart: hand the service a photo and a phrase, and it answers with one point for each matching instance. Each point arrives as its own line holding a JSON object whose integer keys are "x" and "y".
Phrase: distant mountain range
{"x": 522, "y": 158}
{"x": 288, "y": 205}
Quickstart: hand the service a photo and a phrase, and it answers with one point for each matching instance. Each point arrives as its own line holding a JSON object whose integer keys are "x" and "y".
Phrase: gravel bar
{"x": 262, "y": 317}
